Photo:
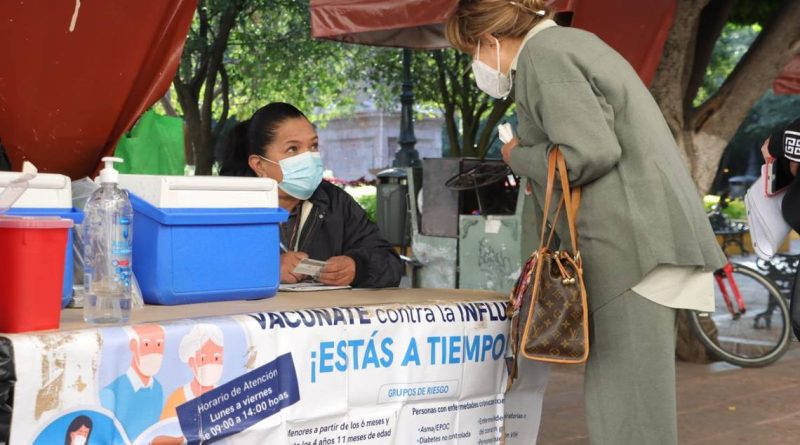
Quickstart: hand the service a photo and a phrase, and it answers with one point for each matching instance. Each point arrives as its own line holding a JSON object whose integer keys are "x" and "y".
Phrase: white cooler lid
{"x": 45, "y": 191}
{"x": 207, "y": 192}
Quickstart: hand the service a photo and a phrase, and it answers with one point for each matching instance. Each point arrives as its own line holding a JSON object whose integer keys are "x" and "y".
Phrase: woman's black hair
{"x": 75, "y": 425}
{"x": 252, "y": 136}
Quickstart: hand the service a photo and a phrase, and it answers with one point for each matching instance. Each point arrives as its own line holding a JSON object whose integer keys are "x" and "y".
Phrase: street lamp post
{"x": 407, "y": 155}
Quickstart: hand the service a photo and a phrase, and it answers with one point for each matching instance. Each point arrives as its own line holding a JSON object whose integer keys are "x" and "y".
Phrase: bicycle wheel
{"x": 758, "y": 336}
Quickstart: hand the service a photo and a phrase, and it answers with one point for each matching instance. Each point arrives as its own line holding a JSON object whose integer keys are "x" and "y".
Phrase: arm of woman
{"x": 377, "y": 264}
{"x": 573, "y": 117}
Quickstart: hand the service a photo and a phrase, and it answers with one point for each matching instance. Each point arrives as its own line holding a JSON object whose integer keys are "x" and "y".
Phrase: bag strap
{"x": 548, "y": 195}
{"x": 572, "y": 199}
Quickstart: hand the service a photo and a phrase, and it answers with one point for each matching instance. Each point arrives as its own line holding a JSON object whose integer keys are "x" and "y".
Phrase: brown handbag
{"x": 548, "y": 304}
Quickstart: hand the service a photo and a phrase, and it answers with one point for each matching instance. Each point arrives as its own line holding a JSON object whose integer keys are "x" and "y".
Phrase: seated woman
{"x": 325, "y": 223}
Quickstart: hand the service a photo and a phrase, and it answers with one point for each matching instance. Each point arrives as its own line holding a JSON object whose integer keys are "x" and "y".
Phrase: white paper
{"x": 309, "y": 267}
{"x": 505, "y": 133}
{"x": 492, "y": 226}
{"x": 309, "y": 286}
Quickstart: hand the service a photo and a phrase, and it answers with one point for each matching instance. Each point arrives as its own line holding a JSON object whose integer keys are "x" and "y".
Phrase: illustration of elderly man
{"x": 136, "y": 397}
{"x": 201, "y": 349}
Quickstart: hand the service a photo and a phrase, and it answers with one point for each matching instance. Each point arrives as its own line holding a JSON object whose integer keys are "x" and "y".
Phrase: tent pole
{"x": 407, "y": 155}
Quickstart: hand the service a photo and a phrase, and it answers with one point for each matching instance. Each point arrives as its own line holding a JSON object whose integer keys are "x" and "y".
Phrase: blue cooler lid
{"x": 204, "y": 217}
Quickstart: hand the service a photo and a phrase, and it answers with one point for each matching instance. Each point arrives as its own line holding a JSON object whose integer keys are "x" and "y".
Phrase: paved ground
{"x": 717, "y": 404}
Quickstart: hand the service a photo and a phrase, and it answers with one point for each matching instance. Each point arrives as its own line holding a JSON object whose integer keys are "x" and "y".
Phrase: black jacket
{"x": 337, "y": 225}
{"x": 782, "y": 142}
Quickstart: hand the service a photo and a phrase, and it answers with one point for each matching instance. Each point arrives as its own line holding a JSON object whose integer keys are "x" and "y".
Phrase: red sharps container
{"x": 31, "y": 272}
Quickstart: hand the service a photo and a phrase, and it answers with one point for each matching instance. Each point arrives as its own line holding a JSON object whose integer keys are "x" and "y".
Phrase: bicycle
{"x": 744, "y": 329}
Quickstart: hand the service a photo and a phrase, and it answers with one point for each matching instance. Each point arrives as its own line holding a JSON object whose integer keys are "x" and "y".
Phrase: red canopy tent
{"x": 788, "y": 82}
{"x": 75, "y": 76}
{"x": 419, "y": 24}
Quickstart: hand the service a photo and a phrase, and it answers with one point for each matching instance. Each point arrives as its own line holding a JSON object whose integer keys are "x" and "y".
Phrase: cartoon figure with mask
{"x": 325, "y": 223}
{"x": 201, "y": 349}
{"x": 136, "y": 397}
{"x": 78, "y": 431}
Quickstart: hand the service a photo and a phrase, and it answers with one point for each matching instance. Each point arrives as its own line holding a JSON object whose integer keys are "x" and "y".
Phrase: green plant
{"x": 370, "y": 205}
{"x": 734, "y": 210}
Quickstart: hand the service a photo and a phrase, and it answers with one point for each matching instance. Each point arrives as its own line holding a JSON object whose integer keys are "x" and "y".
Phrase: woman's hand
{"x": 340, "y": 271}
{"x": 506, "y": 150}
{"x": 289, "y": 261}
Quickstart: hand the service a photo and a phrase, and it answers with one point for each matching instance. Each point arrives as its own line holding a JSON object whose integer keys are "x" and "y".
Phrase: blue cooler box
{"x": 77, "y": 217}
{"x": 191, "y": 255}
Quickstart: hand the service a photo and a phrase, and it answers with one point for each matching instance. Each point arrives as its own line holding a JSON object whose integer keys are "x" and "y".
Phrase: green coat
{"x": 640, "y": 207}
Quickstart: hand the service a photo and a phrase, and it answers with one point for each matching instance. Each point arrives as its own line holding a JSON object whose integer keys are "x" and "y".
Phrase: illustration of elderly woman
{"x": 202, "y": 350}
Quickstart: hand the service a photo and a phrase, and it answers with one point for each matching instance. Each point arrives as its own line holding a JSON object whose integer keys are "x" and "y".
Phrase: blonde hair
{"x": 500, "y": 18}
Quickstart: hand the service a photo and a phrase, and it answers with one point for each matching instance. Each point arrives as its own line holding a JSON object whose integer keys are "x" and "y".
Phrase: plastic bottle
{"x": 107, "y": 236}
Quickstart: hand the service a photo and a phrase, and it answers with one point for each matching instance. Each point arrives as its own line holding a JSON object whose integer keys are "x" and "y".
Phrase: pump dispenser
{"x": 109, "y": 174}
{"x": 107, "y": 236}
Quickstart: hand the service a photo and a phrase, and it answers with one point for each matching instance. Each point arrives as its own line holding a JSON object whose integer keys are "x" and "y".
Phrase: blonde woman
{"x": 647, "y": 245}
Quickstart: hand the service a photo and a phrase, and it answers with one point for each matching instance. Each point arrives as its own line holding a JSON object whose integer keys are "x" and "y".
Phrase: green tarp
{"x": 154, "y": 146}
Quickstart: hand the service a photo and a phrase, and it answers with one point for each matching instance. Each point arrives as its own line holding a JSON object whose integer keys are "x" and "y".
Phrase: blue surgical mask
{"x": 302, "y": 174}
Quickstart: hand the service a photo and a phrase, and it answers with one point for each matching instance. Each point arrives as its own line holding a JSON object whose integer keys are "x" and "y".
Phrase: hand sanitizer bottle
{"x": 108, "y": 236}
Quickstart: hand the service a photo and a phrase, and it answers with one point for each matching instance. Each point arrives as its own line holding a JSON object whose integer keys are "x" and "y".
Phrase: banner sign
{"x": 413, "y": 374}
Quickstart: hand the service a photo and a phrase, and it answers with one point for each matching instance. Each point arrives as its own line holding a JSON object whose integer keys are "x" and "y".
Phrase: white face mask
{"x": 79, "y": 440}
{"x": 209, "y": 375}
{"x": 491, "y": 81}
{"x": 150, "y": 364}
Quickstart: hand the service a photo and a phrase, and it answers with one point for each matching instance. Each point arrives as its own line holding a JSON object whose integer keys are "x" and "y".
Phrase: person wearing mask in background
{"x": 325, "y": 223}
{"x": 784, "y": 147}
{"x": 79, "y": 431}
{"x": 647, "y": 246}
{"x": 136, "y": 397}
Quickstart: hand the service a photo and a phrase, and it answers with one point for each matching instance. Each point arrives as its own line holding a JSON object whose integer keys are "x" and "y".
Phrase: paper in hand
{"x": 505, "y": 133}
{"x": 309, "y": 267}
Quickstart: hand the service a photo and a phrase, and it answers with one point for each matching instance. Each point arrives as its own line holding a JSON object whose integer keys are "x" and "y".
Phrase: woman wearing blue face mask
{"x": 646, "y": 243}
{"x": 325, "y": 223}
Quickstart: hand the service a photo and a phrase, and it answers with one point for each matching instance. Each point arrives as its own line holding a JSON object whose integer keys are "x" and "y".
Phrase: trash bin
{"x": 391, "y": 205}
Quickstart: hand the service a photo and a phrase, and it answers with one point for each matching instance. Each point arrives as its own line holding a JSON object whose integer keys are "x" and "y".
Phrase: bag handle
{"x": 571, "y": 199}
{"x": 548, "y": 198}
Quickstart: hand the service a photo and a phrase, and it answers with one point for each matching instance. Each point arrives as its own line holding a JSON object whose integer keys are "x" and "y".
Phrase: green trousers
{"x": 630, "y": 374}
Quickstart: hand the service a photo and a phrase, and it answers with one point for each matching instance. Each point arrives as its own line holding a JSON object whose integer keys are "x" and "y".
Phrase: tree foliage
{"x": 732, "y": 44}
{"x": 242, "y": 54}
{"x": 443, "y": 81}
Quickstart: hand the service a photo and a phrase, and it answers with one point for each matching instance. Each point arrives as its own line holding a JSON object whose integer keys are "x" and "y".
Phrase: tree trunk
{"x": 191, "y": 117}
{"x": 703, "y": 133}
{"x": 673, "y": 74}
{"x": 204, "y": 67}
{"x": 447, "y": 100}
{"x": 167, "y": 104}
{"x": 499, "y": 110}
